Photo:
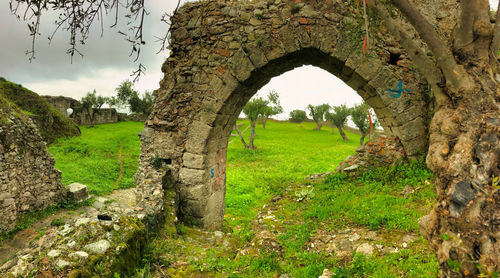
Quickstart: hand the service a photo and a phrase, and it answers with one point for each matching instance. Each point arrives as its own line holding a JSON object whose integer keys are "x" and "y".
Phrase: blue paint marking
{"x": 395, "y": 93}
{"x": 212, "y": 173}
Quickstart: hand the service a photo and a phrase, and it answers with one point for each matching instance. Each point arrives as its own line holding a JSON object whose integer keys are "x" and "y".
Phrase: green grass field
{"x": 287, "y": 153}
{"x": 94, "y": 158}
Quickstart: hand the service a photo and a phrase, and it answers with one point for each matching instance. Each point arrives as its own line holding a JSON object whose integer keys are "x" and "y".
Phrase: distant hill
{"x": 51, "y": 123}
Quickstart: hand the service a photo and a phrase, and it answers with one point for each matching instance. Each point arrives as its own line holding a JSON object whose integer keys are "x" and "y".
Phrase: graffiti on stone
{"x": 397, "y": 92}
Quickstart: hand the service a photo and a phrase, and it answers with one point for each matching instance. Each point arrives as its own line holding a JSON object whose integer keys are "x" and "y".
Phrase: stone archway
{"x": 222, "y": 53}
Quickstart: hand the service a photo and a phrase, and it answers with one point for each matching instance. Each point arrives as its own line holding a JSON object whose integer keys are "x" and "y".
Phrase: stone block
{"x": 191, "y": 176}
{"x": 194, "y": 161}
{"x": 77, "y": 192}
{"x": 196, "y": 192}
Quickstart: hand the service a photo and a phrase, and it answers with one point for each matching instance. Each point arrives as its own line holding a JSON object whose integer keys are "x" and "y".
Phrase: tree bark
{"x": 456, "y": 77}
{"x": 464, "y": 155}
{"x": 333, "y": 130}
{"x": 318, "y": 126}
{"x": 342, "y": 133}
{"x": 264, "y": 120}
{"x": 252, "y": 136}
{"x": 464, "y": 144}
{"x": 495, "y": 42}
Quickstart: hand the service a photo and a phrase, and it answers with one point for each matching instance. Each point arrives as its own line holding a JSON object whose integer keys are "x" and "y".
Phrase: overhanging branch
{"x": 456, "y": 77}
{"x": 425, "y": 65}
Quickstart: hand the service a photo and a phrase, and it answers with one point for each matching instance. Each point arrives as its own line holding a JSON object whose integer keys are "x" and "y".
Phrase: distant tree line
{"x": 361, "y": 115}
{"x": 126, "y": 97}
{"x": 259, "y": 109}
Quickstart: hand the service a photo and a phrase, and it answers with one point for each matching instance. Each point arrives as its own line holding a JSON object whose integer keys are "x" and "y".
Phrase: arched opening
{"x": 201, "y": 196}
{"x": 219, "y": 61}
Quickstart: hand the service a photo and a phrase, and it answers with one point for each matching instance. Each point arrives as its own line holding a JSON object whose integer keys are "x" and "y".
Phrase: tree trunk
{"x": 362, "y": 139}
{"x": 252, "y": 136}
{"x": 333, "y": 129}
{"x": 342, "y": 133}
{"x": 464, "y": 155}
{"x": 318, "y": 126}
{"x": 241, "y": 136}
{"x": 264, "y": 120}
{"x": 464, "y": 135}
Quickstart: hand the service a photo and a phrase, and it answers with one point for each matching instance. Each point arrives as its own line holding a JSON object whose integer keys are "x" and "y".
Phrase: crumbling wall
{"x": 28, "y": 179}
{"x": 79, "y": 116}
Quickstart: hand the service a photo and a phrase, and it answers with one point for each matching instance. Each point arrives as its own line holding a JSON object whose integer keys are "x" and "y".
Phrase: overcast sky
{"x": 106, "y": 63}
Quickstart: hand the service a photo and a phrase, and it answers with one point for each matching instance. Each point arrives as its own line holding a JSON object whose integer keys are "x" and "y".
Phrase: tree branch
{"x": 483, "y": 30}
{"x": 456, "y": 77}
{"x": 464, "y": 34}
{"x": 425, "y": 65}
{"x": 241, "y": 136}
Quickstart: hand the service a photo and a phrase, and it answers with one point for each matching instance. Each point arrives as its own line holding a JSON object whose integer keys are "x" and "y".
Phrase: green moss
{"x": 52, "y": 124}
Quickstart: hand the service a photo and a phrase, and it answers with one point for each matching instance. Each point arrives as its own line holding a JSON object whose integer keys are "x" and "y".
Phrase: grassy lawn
{"x": 268, "y": 238}
{"x": 287, "y": 153}
{"x": 94, "y": 158}
{"x": 267, "y": 194}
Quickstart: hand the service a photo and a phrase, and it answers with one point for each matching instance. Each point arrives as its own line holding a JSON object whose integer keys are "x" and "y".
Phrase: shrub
{"x": 298, "y": 116}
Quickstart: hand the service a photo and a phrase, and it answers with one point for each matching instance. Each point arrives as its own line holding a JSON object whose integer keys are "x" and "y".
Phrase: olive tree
{"x": 92, "y": 104}
{"x": 298, "y": 116}
{"x": 128, "y": 97}
{"x": 254, "y": 109}
{"x": 338, "y": 119}
{"x": 318, "y": 114}
{"x": 274, "y": 109}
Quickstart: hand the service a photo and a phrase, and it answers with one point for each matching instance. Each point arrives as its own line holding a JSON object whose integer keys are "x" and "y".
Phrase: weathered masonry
{"x": 222, "y": 53}
{"x": 28, "y": 179}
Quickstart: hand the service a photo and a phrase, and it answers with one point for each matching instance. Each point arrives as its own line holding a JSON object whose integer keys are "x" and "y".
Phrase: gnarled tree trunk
{"x": 252, "y": 136}
{"x": 464, "y": 147}
{"x": 341, "y": 131}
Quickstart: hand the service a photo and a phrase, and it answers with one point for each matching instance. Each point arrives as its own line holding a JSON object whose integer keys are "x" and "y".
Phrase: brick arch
{"x": 222, "y": 53}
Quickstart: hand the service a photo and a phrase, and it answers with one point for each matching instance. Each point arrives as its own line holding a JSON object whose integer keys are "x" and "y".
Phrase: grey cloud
{"x": 52, "y": 63}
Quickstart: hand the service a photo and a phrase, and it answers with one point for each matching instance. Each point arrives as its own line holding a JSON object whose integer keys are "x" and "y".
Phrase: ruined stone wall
{"x": 223, "y": 52}
{"x": 61, "y": 103}
{"x": 80, "y": 117}
{"x": 103, "y": 116}
{"x": 28, "y": 179}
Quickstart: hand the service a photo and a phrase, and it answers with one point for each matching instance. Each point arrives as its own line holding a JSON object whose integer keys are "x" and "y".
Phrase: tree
{"x": 339, "y": 118}
{"x": 359, "y": 116}
{"x": 464, "y": 133}
{"x": 298, "y": 116}
{"x": 254, "y": 109}
{"x": 92, "y": 104}
{"x": 127, "y": 96}
{"x": 273, "y": 98}
{"x": 318, "y": 114}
